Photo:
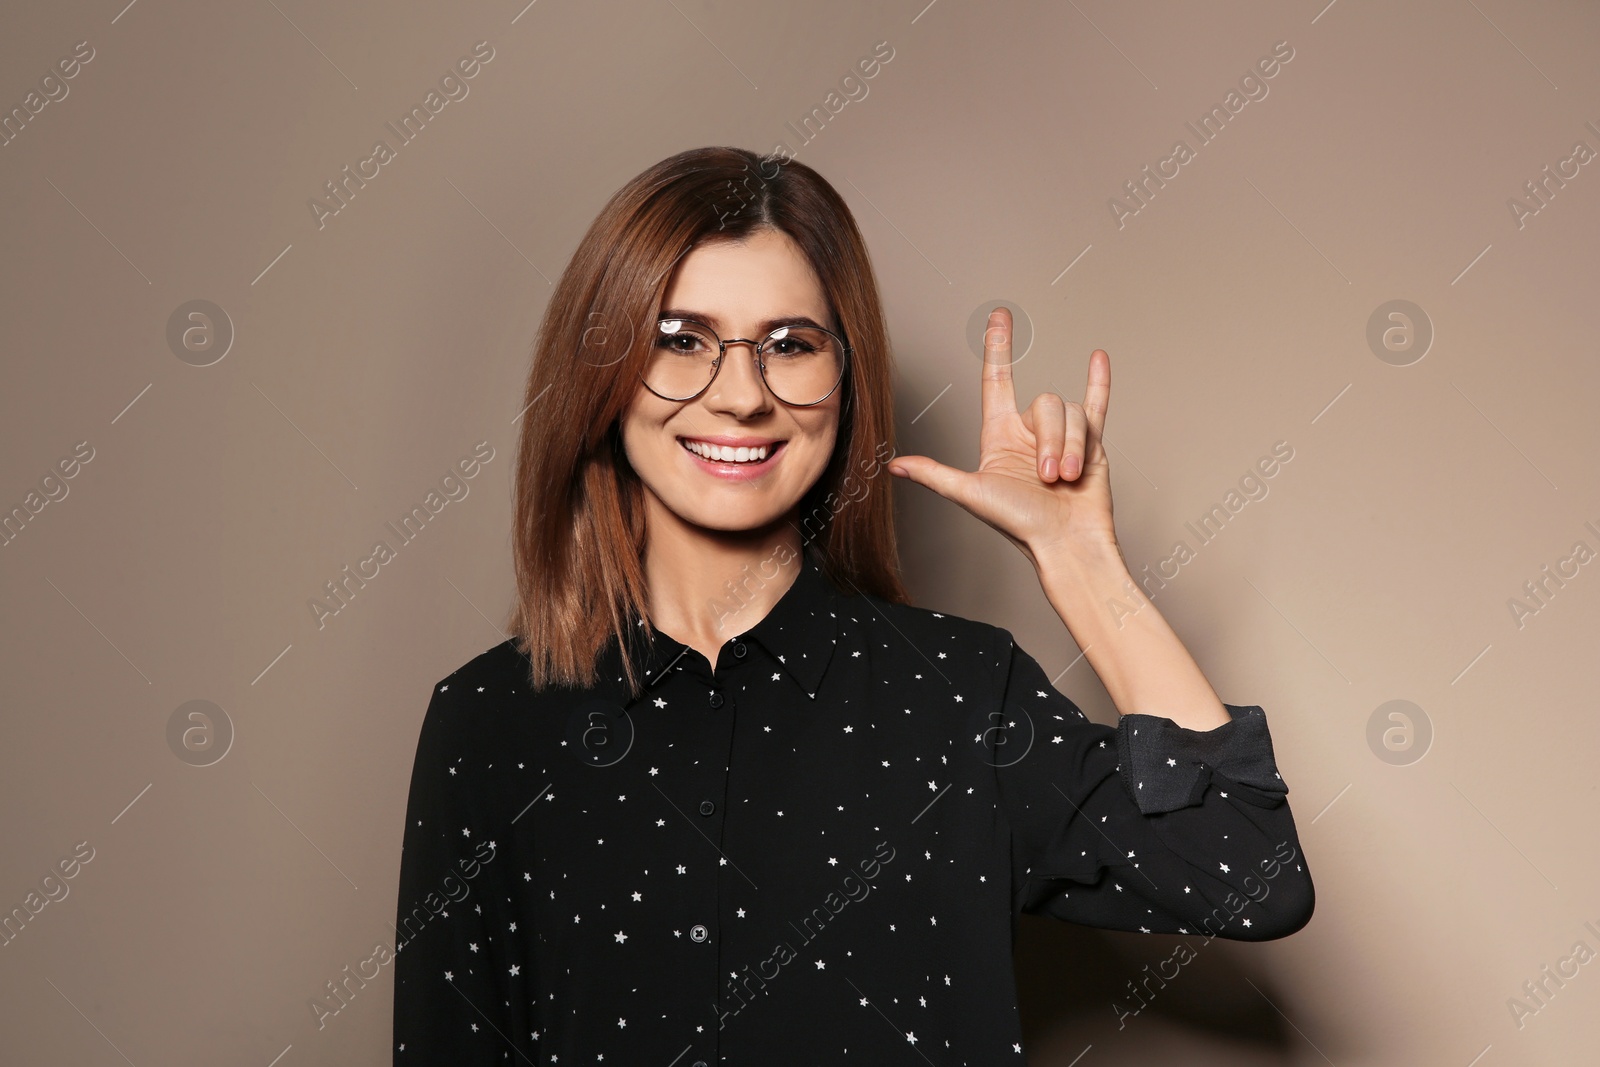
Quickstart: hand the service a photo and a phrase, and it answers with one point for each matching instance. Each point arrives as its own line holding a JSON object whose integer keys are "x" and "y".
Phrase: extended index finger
{"x": 1097, "y": 394}
{"x": 999, "y": 394}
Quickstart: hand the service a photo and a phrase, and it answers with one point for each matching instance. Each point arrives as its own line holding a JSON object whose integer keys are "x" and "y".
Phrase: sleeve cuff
{"x": 1167, "y": 767}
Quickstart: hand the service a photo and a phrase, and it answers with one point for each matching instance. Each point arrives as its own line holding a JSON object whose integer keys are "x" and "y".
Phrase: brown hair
{"x": 578, "y": 523}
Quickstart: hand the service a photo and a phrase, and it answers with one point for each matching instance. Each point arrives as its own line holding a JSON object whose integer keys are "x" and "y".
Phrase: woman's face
{"x": 738, "y": 289}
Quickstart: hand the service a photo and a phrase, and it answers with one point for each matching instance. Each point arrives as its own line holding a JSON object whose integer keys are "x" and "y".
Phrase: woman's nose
{"x": 739, "y": 385}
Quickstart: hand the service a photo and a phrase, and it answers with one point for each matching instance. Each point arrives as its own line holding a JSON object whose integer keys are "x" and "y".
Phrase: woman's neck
{"x": 705, "y": 586}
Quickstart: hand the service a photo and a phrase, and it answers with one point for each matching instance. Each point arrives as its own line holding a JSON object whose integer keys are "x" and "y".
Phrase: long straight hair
{"x": 579, "y": 518}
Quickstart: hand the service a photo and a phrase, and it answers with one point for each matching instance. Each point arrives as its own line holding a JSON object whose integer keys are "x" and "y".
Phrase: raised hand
{"x": 1042, "y": 479}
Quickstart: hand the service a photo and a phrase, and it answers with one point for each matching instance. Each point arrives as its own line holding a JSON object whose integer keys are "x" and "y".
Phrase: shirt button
{"x": 739, "y": 650}
{"x": 706, "y": 807}
{"x": 716, "y": 699}
{"x": 698, "y": 933}
{"x": 699, "y": 1063}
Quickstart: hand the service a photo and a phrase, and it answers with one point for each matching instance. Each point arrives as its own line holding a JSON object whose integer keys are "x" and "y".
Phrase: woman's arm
{"x": 1146, "y": 825}
{"x": 1043, "y": 480}
{"x": 1175, "y": 821}
{"x": 451, "y": 1000}
{"x": 1139, "y": 658}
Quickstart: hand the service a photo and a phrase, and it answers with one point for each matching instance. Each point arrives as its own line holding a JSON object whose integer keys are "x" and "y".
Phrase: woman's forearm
{"x": 1140, "y": 660}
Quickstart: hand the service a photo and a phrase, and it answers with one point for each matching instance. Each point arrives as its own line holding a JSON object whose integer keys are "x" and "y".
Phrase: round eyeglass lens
{"x": 682, "y": 359}
{"x": 801, "y": 364}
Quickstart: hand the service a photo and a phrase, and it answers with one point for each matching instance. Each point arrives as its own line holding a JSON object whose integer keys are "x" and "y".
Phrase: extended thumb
{"x": 946, "y": 481}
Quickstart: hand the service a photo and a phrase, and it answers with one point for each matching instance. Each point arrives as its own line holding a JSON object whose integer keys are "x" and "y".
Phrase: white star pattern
{"x": 807, "y": 787}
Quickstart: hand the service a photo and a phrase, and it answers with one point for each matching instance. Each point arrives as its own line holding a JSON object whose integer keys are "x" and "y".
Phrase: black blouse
{"x": 815, "y": 852}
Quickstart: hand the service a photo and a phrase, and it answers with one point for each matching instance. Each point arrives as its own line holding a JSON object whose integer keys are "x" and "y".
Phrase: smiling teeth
{"x": 724, "y": 454}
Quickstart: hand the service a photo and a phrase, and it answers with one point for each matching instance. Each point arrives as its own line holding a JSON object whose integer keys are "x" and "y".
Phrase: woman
{"x": 725, "y": 797}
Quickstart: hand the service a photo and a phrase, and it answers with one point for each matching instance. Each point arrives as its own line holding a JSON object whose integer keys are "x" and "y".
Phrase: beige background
{"x": 373, "y": 353}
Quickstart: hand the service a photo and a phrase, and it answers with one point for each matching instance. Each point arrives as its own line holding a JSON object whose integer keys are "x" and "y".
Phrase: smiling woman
{"x": 792, "y": 259}
{"x": 711, "y": 701}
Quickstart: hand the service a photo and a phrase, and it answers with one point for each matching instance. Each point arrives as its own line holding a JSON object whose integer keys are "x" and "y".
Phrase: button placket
{"x": 708, "y": 806}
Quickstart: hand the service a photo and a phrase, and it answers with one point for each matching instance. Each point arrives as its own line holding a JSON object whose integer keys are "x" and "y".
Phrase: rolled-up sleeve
{"x": 1168, "y": 767}
{"x": 451, "y": 1001}
{"x": 1145, "y": 826}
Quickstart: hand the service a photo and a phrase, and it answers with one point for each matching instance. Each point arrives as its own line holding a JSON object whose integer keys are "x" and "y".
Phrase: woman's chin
{"x": 732, "y": 520}
{"x": 722, "y": 524}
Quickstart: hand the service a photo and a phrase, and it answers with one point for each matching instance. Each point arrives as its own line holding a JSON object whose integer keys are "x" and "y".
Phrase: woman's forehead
{"x": 765, "y": 274}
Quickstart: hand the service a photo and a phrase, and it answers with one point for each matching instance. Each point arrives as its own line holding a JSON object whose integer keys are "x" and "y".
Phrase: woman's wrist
{"x": 1099, "y": 556}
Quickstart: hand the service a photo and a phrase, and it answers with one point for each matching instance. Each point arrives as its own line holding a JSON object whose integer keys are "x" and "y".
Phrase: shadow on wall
{"x": 1073, "y": 990}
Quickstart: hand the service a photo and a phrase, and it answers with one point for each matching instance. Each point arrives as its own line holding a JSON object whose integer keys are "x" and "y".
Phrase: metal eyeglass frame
{"x": 761, "y": 366}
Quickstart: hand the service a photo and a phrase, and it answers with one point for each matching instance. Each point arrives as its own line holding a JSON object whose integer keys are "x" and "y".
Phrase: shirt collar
{"x": 801, "y": 630}
{"x": 799, "y": 633}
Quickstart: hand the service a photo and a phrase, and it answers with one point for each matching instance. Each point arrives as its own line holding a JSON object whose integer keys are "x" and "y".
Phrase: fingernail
{"x": 1047, "y": 469}
{"x": 896, "y": 469}
{"x": 1070, "y": 468}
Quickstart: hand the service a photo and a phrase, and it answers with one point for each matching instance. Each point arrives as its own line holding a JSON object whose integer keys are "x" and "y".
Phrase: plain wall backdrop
{"x": 1431, "y": 538}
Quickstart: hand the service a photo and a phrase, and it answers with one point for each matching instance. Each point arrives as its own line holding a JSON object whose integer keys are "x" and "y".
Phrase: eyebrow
{"x": 763, "y": 328}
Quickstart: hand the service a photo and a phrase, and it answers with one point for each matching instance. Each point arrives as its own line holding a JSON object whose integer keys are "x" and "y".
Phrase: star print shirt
{"x": 813, "y": 852}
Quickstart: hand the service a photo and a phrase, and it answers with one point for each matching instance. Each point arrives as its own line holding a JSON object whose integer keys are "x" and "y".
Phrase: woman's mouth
{"x": 732, "y": 460}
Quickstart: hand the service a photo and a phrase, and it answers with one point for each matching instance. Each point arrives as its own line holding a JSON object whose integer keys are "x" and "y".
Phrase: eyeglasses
{"x": 801, "y": 365}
